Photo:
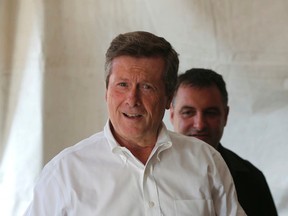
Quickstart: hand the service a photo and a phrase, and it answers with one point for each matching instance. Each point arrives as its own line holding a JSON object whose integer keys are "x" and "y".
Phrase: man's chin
{"x": 203, "y": 138}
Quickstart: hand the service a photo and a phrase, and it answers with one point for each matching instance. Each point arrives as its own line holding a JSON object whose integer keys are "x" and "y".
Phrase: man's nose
{"x": 133, "y": 97}
{"x": 199, "y": 122}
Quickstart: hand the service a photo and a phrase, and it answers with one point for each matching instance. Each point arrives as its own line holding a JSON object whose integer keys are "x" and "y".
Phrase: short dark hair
{"x": 201, "y": 78}
{"x": 145, "y": 44}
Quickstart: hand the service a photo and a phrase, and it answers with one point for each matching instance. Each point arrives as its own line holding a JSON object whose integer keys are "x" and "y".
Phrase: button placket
{"x": 150, "y": 191}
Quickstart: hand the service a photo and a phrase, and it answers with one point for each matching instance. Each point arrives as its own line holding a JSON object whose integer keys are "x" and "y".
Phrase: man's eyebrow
{"x": 212, "y": 107}
{"x": 187, "y": 107}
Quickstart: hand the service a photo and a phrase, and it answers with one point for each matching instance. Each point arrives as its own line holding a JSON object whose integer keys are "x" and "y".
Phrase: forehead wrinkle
{"x": 137, "y": 70}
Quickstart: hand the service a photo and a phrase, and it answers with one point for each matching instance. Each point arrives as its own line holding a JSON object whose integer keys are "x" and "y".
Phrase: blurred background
{"x": 52, "y": 77}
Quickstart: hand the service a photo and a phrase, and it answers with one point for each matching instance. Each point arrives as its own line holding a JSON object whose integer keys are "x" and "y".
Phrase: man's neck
{"x": 141, "y": 153}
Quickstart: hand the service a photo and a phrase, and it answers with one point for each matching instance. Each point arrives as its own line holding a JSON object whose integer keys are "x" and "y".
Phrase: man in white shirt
{"x": 135, "y": 166}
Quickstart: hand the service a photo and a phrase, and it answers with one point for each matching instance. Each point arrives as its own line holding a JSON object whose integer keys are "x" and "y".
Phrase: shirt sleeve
{"x": 223, "y": 189}
{"x": 48, "y": 196}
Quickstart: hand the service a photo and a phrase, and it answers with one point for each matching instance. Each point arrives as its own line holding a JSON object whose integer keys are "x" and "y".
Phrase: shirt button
{"x": 151, "y": 204}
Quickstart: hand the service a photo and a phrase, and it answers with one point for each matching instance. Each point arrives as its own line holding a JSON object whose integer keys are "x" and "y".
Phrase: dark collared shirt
{"x": 252, "y": 189}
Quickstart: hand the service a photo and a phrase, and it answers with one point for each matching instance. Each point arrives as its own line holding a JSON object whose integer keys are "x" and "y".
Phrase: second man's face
{"x": 136, "y": 97}
{"x": 199, "y": 112}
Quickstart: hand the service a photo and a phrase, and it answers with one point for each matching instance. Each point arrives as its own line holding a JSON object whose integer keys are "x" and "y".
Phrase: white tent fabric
{"x": 52, "y": 77}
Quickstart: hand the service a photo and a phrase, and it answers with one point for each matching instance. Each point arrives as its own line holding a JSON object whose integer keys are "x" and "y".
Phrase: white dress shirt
{"x": 183, "y": 176}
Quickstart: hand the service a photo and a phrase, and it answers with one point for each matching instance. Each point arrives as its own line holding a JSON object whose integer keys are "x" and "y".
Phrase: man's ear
{"x": 226, "y": 114}
{"x": 171, "y": 112}
{"x": 168, "y": 103}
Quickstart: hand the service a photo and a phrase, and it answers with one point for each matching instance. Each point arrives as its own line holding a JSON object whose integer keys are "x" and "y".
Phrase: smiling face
{"x": 136, "y": 99}
{"x": 199, "y": 112}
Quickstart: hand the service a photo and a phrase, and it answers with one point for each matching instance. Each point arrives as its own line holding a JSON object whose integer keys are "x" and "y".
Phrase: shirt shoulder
{"x": 237, "y": 163}
{"x": 193, "y": 145}
{"x": 80, "y": 151}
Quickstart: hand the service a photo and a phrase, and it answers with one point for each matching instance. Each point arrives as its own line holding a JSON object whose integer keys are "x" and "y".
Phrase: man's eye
{"x": 212, "y": 113}
{"x": 187, "y": 113}
{"x": 122, "y": 84}
{"x": 147, "y": 86}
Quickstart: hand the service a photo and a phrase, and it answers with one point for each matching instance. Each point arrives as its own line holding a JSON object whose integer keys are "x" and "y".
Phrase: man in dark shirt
{"x": 200, "y": 109}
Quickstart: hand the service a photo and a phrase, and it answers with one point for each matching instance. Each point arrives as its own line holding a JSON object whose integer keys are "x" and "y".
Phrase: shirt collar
{"x": 163, "y": 141}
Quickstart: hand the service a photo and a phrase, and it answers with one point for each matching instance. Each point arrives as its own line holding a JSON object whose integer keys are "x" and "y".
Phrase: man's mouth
{"x": 199, "y": 135}
{"x": 132, "y": 115}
